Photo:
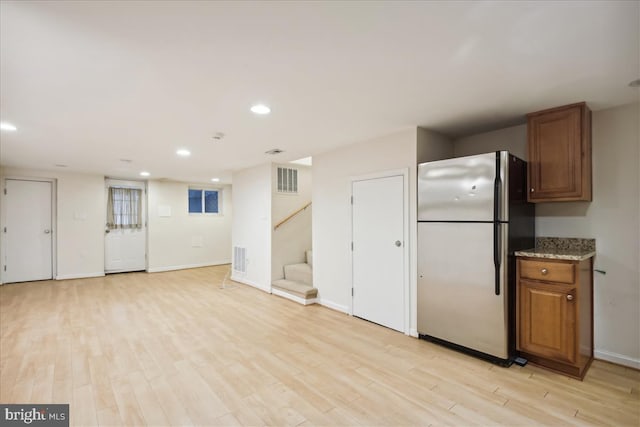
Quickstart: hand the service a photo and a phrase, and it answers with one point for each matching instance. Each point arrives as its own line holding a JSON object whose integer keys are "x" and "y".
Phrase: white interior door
{"x": 125, "y": 248}
{"x": 378, "y": 250}
{"x": 29, "y": 231}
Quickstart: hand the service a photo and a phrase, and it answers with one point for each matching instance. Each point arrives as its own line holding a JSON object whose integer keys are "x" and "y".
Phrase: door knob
{"x": 544, "y": 271}
{"x": 398, "y": 243}
{"x": 569, "y": 297}
{"x": 47, "y": 231}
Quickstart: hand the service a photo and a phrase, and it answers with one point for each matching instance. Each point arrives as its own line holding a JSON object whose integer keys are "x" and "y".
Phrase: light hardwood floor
{"x": 175, "y": 349}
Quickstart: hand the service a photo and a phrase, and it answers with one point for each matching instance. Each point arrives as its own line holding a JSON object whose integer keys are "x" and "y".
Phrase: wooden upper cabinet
{"x": 559, "y": 144}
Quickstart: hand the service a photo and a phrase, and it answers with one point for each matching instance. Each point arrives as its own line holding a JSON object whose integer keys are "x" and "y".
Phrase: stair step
{"x": 299, "y": 273}
{"x": 301, "y": 290}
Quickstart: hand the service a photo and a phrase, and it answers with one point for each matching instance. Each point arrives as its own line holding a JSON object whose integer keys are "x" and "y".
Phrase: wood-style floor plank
{"x": 177, "y": 349}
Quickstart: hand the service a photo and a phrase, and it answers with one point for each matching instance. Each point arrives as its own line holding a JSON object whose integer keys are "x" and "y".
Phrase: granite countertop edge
{"x": 577, "y": 255}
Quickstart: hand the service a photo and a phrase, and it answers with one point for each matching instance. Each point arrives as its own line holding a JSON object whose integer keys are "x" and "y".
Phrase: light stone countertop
{"x": 565, "y": 254}
{"x": 572, "y": 249}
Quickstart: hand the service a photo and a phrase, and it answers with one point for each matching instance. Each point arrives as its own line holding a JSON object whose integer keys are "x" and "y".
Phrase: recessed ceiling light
{"x": 8, "y": 127}
{"x": 215, "y": 179}
{"x": 183, "y": 153}
{"x": 635, "y": 83}
{"x": 144, "y": 173}
{"x": 260, "y": 109}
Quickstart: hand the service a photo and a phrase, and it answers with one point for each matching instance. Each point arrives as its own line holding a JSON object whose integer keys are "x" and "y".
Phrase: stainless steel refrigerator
{"x": 472, "y": 215}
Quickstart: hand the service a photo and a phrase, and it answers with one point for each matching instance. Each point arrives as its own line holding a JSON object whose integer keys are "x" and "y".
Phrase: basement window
{"x": 204, "y": 201}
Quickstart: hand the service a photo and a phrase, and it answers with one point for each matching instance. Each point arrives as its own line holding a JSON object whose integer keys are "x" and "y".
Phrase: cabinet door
{"x": 556, "y": 157}
{"x": 546, "y": 320}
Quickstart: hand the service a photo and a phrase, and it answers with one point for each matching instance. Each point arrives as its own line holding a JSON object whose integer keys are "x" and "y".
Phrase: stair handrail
{"x": 291, "y": 216}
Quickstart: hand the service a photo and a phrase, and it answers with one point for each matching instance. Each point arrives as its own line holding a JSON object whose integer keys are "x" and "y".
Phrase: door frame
{"x": 128, "y": 183}
{"x": 54, "y": 221}
{"x": 404, "y": 172}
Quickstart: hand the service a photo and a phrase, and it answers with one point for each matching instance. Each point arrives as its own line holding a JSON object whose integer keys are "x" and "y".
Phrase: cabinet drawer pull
{"x": 544, "y": 271}
{"x": 569, "y": 297}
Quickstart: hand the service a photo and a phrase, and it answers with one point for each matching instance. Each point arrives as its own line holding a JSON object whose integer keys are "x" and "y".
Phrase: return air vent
{"x": 287, "y": 180}
{"x": 240, "y": 259}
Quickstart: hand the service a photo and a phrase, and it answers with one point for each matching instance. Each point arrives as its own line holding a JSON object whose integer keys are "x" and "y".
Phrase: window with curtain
{"x": 124, "y": 208}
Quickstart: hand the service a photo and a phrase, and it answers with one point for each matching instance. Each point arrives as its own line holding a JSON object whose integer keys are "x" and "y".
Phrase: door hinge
{"x": 5, "y": 191}
{"x": 5, "y": 268}
{"x": 5, "y": 229}
{"x": 352, "y": 246}
{"x": 351, "y": 199}
{"x": 351, "y": 291}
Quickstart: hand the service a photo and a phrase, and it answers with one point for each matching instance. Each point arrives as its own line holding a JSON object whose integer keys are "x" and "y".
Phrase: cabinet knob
{"x": 532, "y": 190}
{"x": 544, "y": 271}
{"x": 569, "y": 297}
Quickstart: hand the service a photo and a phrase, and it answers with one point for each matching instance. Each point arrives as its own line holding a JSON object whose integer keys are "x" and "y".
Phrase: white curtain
{"x": 124, "y": 208}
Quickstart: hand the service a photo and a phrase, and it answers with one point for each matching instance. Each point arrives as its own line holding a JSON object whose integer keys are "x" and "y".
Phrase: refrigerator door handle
{"x": 497, "y": 184}
{"x": 497, "y": 248}
{"x": 497, "y": 191}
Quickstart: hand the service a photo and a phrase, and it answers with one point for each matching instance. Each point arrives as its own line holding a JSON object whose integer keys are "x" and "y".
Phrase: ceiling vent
{"x": 274, "y": 151}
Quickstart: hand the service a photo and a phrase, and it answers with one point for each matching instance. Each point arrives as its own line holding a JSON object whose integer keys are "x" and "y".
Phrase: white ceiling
{"x": 88, "y": 83}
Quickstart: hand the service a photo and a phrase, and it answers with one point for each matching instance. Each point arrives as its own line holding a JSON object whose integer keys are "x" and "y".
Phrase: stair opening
{"x": 291, "y": 213}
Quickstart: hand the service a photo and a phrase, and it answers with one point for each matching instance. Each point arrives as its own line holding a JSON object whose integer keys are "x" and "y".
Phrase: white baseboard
{"x": 79, "y": 276}
{"x": 616, "y": 358}
{"x": 332, "y": 305}
{"x": 413, "y": 333}
{"x": 294, "y": 298}
{"x": 251, "y": 283}
{"x": 184, "y": 267}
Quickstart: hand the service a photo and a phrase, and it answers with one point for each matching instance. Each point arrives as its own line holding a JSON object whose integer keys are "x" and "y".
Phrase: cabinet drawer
{"x": 547, "y": 271}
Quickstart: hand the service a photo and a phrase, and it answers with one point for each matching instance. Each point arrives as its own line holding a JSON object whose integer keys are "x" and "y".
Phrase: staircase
{"x": 297, "y": 284}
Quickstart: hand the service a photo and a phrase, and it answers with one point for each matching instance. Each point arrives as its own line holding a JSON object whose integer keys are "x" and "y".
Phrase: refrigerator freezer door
{"x": 456, "y": 286}
{"x": 461, "y": 189}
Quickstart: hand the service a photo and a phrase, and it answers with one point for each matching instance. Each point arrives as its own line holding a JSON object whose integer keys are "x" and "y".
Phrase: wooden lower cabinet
{"x": 555, "y": 318}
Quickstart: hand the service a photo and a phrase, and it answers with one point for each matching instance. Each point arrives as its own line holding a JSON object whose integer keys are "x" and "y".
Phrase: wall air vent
{"x": 239, "y": 259}
{"x": 287, "y": 180}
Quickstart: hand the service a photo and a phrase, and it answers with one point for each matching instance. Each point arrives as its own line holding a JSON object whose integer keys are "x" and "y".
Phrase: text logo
{"x": 54, "y": 415}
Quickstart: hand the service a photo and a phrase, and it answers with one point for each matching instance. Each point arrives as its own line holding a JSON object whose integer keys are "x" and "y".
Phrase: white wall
{"x": 433, "y": 146}
{"x": 612, "y": 218}
{"x": 79, "y": 228}
{"x": 512, "y": 139}
{"x": 251, "y": 224}
{"x": 185, "y": 240}
{"x": 332, "y": 173}
{"x": 292, "y": 239}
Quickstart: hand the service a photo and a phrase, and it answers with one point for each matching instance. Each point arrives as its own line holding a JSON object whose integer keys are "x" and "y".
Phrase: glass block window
{"x": 287, "y": 180}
